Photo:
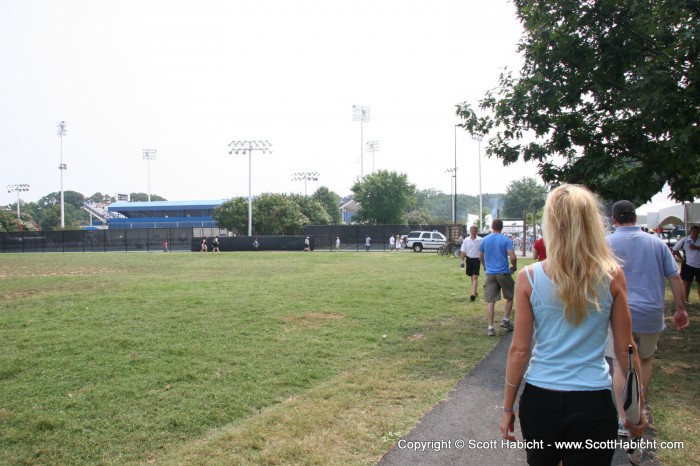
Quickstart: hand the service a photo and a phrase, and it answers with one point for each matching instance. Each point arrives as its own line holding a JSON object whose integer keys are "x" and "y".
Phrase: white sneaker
{"x": 507, "y": 324}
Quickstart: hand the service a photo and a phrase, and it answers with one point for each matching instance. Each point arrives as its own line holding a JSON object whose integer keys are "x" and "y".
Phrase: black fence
{"x": 321, "y": 237}
{"x": 141, "y": 240}
{"x": 253, "y": 243}
{"x": 352, "y": 237}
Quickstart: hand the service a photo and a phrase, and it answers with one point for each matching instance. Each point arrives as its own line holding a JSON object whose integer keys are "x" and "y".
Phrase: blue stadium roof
{"x": 122, "y": 206}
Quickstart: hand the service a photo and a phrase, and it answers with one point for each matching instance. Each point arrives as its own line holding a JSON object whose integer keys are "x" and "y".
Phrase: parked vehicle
{"x": 419, "y": 240}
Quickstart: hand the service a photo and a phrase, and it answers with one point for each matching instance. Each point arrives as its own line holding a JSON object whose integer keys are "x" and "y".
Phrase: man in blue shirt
{"x": 647, "y": 262}
{"x": 494, "y": 251}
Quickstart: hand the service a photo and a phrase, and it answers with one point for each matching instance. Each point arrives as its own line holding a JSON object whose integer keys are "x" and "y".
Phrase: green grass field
{"x": 131, "y": 358}
{"x": 240, "y": 358}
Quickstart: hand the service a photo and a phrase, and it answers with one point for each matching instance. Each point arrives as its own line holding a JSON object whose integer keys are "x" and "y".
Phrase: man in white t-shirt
{"x": 690, "y": 260}
{"x": 470, "y": 251}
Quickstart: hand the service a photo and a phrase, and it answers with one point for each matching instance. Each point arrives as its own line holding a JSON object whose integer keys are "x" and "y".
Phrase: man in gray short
{"x": 494, "y": 251}
{"x": 647, "y": 262}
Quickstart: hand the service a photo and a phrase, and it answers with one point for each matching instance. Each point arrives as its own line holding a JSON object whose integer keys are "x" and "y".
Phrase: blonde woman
{"x": 564, "y": 305}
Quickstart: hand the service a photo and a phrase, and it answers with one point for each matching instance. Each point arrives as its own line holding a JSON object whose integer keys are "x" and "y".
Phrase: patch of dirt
{"x": 57, "y": 272}
{"x": 311, "y": 319}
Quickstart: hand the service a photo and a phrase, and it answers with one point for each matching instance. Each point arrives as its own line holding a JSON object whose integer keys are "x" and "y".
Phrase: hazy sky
{"x": 187, "y": 78}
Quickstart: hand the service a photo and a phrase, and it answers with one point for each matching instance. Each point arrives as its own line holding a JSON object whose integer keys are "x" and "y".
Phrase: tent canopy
{"x": 679, "y": 214}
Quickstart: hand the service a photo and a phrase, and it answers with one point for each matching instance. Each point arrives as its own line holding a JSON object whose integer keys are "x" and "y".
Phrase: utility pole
{"x": 372, "y": 146}
{"x": 361, "y": 113}
{"x": 62, "y": 131}
{"x": 17, "y": 188}
{"x": 148, "y": 155}
{"x": 305, "y": 176}
{"x": 478, "y": 138}
{"x": 243, "y": 147}
{"x": 453, "y": 176}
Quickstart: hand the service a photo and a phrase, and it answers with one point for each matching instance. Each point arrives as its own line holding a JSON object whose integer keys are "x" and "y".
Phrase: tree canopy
{"x": 330, "y": 201}
{"x": 8, "y": 221}
{"x": 313, "y": 212}
{"x": 273, "y": 214}
{"x": 143, "y": 197}
{"x": 523, "y": 195}
{"x": 232, "y": 215}
{"x": 607, "y": 97}
{"x": 384, "y": 197}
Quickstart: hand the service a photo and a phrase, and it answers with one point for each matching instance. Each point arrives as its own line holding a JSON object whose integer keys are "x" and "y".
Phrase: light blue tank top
{"x": 564, "y": 356}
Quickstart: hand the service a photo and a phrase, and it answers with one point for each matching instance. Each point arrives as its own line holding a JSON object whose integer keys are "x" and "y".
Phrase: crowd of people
{"x": 587, "y": 301}
{"x": 397, "y": 243}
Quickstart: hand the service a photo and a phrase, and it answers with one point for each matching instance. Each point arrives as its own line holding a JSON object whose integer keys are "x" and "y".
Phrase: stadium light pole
{"x": 17, "y": 188}
{"x": 148, "y": 155}
{"x": 242, "y": 147}
{"x": 62, "y": 131}
{"x": 478, "y": 138}
{"x": 454, "y": 202}
{"x": 305, "y": 176}
{"x": 453, "y": 176}
{"x": 372, "y": 146}
{"x": 361, "y": 113}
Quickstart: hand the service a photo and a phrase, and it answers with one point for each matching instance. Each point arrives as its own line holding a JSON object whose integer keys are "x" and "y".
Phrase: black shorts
{"x": 689, "y": 273}
{"x": 473, "y": 266}
{"x": 548, "y": 416}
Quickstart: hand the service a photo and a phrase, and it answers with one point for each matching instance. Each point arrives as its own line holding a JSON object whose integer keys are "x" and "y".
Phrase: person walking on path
{"x": 494, "y": 251}
{"x": 647, "y": 263}
{"x": 470, "y": 253}
{"x": 564, "y": 306}
{"x": 690, "y": 260}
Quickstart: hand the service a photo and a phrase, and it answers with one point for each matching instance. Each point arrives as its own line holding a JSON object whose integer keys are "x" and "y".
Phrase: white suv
{"x": 419, "y": 240}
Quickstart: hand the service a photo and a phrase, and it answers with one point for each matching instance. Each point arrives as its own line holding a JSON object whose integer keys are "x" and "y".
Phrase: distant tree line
{"x": 383, "y": 197}
{"x": 45, "y": 214}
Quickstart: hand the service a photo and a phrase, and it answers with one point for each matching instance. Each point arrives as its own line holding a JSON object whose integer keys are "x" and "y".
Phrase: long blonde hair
{"x": 578, "y": 255}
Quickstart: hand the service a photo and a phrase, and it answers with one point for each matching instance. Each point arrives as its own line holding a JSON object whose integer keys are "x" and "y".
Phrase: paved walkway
{"x": 463, "y": 430}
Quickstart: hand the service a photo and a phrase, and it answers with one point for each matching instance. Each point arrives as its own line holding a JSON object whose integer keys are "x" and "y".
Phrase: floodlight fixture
{"x": 454, "y": 201}
{"x": 453, "y": 190}
{"x": 17, "y": 188}
{"x": 305, "y": 176}
{"x": 478, "y": 138}
{"x": 62, "y": 130}
{"x": 148, "y": 155}
{"x": 243, "y": 147}
{"x": 372, "y": 146}
{"x": 361, "y": 113}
